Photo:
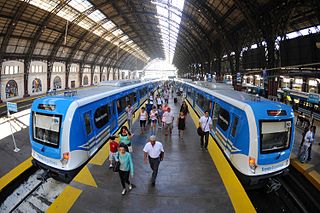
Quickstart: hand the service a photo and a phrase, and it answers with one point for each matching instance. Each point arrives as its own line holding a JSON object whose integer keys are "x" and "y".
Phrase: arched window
{"x": 36, "y": 85}
{"x": 85, "y": 80}
{"x": 11, "y": 89}
{"x": 95, "y": 79}
{"x": 57, "y": 83}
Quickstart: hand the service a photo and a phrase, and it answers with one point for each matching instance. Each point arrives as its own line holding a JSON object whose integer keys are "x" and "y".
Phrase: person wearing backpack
{"x": 309, "y": 138}
{"x": 205, "y": 122}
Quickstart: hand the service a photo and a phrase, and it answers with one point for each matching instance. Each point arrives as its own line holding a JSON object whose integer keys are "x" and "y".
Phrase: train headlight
{"x": 65, "y": 159}
{"x": 252, "y": 164}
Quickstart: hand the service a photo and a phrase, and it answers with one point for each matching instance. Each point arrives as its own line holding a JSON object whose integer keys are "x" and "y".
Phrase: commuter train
{"x": 255, "y": 134}
{"x": 67, "y": 129}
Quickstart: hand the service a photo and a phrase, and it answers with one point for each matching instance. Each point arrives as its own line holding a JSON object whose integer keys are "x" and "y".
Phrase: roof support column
{"x": 49, "y": 72}
{"x": 108, "y": 73}
{"x": 100, "y": 72}
{"x": 26, "y": 77}
{"x": 68, "y": 66}
{"x": 81, "y": 67}
{"x": 92, "y": 69}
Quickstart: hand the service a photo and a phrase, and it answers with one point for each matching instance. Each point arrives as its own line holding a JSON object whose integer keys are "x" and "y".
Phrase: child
{"x": 113, "y": 149}
{"x": 160, "y": 113}
{"x": 181, "y": 124}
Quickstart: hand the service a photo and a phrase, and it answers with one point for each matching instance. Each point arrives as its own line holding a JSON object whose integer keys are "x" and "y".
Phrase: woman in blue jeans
{"x": 126, "y": 167}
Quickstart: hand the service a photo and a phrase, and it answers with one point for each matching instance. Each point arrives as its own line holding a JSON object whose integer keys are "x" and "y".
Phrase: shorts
{"x": 112, "y": 156}
{"x": 154, "y": 121}
{"x": 143, "y": 123}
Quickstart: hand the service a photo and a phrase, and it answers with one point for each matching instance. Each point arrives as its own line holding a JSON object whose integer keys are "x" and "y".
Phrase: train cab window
{"x": 46, "y": 128}
{"x": 87, "y": 122}
{"x": 274, "y": 136}
{"x": 101, "y": 116}
{"x": 234, "y": 126}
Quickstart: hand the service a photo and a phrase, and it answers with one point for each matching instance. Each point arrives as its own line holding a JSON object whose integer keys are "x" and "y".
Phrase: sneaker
{"x": 110, "y": 166}
{"x": 124, "y": 191}
{"x": 130, "y": 187}
{"x": 206, "y": 149}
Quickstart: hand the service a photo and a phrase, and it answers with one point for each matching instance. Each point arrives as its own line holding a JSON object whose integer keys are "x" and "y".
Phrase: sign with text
{"x": 313, "y": 98}
{"x": 12, "y": 107}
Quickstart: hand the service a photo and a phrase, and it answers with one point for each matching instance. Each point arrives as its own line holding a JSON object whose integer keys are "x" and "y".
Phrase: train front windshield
{"x": 46, "y": 129}
{"x": 275, "y": 136}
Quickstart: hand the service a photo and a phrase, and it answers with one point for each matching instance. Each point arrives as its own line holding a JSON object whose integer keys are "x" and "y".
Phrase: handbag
{"x": 130, "y": 149}
{"x": 116, "y": 165}
{"x": 200, "y": 131}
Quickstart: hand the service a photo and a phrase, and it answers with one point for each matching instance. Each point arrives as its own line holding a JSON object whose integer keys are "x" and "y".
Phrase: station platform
{"x": 310, "y": 169}
{"x": 189, "y": 179}
{"x": 14, "y": 163}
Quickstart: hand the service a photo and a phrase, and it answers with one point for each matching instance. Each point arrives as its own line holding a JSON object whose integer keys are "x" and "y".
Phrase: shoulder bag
{"x": 116, "y": 164}
{"x": 200, "y": 131}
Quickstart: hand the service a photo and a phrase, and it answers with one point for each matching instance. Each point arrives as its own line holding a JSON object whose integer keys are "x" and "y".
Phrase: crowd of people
{"x": 155, "y": 115}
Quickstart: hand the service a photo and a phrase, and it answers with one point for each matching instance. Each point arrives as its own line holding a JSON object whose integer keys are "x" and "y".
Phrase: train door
{"x": 232, "y": 133}
{"x": 114, "y": 117}
{"x": 215, "y": 113}
{"x": 90, "y": 136}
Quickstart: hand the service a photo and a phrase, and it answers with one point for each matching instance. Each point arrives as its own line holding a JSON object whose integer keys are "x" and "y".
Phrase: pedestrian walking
{"x": 143, "y": 117}
{"x": 181, "y": 122}
{"x": 166, "y": 96}
{"x": 113, "y": 150}
{"x": 125, "y": 138}
{"x": 154, "y": 119}
{"x": 160, "y": 113}
{"x": 149, "y": 106}
{"x": 159, "y": 101}
{"x": 126, "y": 168}
{"x": 205, "y": 122}
{"x": 309, "y": 139}
{"x": 184, "y": 108}
{"x": 153, "y": 151}
{"x": 130, "y": 114}
{"x": 168, "y": 121}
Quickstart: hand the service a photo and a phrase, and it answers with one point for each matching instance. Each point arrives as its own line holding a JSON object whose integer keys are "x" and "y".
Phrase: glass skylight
{"x": 92, "y": 20}
{"x": 80, "y": 5}
{"x": 169, "y": 15}
{"x": 109, "y": 25}
{"x": 46, "y": 5}
{"x": 97, "y": 16}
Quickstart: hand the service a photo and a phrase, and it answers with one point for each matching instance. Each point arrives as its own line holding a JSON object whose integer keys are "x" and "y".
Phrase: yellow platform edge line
{"x": 65, "y": 200}
{"x": 85, "y": 177}
{"x": 85, "y": 172}
{"x": 14, "y": 173}
{"x": 313, "y": 176}
{"x": 237, "y": 194}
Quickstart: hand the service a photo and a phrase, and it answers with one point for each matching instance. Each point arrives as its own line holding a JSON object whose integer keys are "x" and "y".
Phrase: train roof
{"x": 240, "y": 99}
{"x": 88, "y": 95}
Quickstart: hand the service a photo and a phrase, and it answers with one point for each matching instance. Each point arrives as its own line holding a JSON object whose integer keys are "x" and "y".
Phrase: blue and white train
{"x": 255, "y": 134}
{"x": 66, "y": 130}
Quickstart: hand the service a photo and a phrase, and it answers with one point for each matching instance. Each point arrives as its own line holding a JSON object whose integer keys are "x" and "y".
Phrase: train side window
{"x": 234, "y": 127}
{"x": 223, "y": 119}
{"x": 87, "y": 122}
{"x": 101, "y": 116}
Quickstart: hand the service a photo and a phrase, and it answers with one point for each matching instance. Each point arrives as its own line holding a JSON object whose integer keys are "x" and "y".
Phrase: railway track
{"x": 289, "y": 193}
{"x": 34, "y": 193}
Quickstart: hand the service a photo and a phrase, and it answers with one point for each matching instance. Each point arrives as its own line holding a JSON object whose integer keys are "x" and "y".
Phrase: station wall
{"x": 12, "y": 78}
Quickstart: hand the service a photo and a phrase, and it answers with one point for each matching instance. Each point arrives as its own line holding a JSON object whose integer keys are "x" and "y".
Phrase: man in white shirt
{"x": 155, "y": 152}
{"x": 309, "y": 138}
{"x": 168, "y": 118}
{"x": 205, "y": 122}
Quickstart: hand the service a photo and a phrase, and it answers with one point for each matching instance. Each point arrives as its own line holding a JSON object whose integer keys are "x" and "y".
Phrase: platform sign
{"x": 313, "y": 98}
{"x": 12, "y": 107}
